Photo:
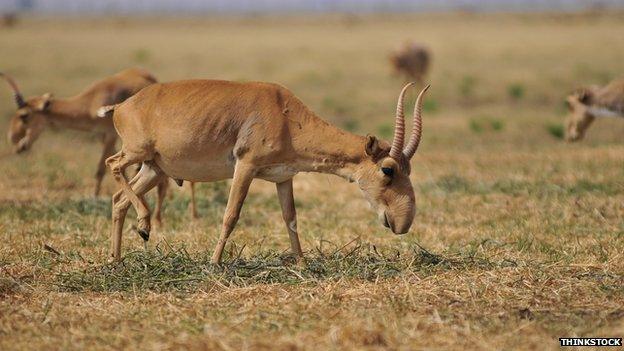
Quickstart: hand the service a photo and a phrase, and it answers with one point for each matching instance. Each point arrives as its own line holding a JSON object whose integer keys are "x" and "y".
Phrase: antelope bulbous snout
{"x": 398, "y": 225}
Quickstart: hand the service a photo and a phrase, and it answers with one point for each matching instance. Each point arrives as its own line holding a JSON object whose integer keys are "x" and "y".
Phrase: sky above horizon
{"x": 272, "y": 6}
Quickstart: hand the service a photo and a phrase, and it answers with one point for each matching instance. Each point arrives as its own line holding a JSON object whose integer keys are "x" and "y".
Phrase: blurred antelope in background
{"x": 8, "y": 19}
{"x": 209, "y": 130}
{"x": 411, "y": 60}
{"x": 587, "y": 104}
{"x": 79, "y": 112}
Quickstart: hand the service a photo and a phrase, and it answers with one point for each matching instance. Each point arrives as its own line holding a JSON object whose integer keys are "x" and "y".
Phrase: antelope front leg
{"x": 243, "y": 175}
{"x": 109, "y": 149}
{"x": 193, "y": 204}
{"x": 287, "y": 202}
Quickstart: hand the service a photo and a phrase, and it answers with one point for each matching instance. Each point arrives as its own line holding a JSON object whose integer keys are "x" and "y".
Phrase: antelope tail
{"x": 106, "y": 111}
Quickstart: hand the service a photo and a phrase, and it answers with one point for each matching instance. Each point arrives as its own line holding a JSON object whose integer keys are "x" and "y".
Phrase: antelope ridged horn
{"x": 412, "y": 145}
{"x": 19, "y": 99}
{"x": 399, "y": 126}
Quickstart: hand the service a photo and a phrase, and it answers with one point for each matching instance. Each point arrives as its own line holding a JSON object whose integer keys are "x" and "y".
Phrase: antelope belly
{"x": 197, "y": 170}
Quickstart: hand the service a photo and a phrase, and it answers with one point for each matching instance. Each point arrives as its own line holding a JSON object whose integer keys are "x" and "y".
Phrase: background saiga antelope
{"x": 593, "y": 102}
{"x": 208, "y": 130}
{"x": 79, "y": 112}
{"x": 412, "y": 61}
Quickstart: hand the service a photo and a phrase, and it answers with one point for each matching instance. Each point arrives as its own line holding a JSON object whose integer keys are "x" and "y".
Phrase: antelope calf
{"x": 208, "y": 130}
{"x": 587, "y": 104}
{"x": 412, "y": 61}
{"x": 33, "y": 115}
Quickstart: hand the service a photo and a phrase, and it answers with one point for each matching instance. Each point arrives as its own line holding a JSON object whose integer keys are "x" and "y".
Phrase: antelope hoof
{"x": 144, "y": 228}
{"x": 144, "y": 234}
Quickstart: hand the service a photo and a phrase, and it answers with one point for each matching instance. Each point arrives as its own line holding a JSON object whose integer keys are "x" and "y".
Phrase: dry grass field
{"x": 518, "y": 238}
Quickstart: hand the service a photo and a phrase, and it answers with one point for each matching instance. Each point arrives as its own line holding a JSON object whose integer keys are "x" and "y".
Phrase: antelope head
{"x": 579, "y": 119}
{"x": 29, "y": 119}
{"x": 384, "y": 176}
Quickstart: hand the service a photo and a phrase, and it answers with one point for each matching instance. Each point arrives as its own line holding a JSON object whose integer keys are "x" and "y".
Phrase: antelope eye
{"x": 388, "y": 171}
{"x": 24, "y": 117}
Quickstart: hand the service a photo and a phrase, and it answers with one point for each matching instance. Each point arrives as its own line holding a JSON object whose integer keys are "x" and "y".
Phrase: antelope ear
{"x": 375, "y": 147}
{"x": 372, "y": 145}
{"x": 46, "y": 99}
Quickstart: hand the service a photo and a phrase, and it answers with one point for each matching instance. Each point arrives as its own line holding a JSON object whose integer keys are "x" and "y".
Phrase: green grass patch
{"x": 485, "y": 123}
{"x": 497, "y": 125}
{"x": 337, "y": 106}
{"x": 385, "y": 130}
{"x": 28, "y": 211}
{"x": 453, "y": 183}
{"x": 141, "y": 56}
{"x": 556, "y": 130}
{"x": 467, "y": 86}
{"x": 475, "y": 125}
{"x": 351, "y": 125}
{"x": 516, "y": 91}
{"x": 179, "y": 271}
{"x": 430, "y": 105}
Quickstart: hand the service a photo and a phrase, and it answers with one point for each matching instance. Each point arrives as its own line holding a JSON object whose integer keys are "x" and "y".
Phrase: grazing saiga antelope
{"x": 411, "y": 60}
{"x": 79, "y": 112}
{"x": 593, "y": 102}
{"x": 208, "y": 130}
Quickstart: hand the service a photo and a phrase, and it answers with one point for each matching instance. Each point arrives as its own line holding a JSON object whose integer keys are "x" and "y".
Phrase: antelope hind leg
{"x": 118, "y": 163}
{"x": 144, "y": 181}
{"x": 287, "y": 202}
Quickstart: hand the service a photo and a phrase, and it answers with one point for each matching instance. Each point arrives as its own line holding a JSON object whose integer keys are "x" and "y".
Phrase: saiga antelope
{"x": 587, "y": 104}
{"x": 33, "y": 115}
{"x": 8, "y": 20}
{"x": 412, "y": 61}
{"x": 208, "y": 130}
